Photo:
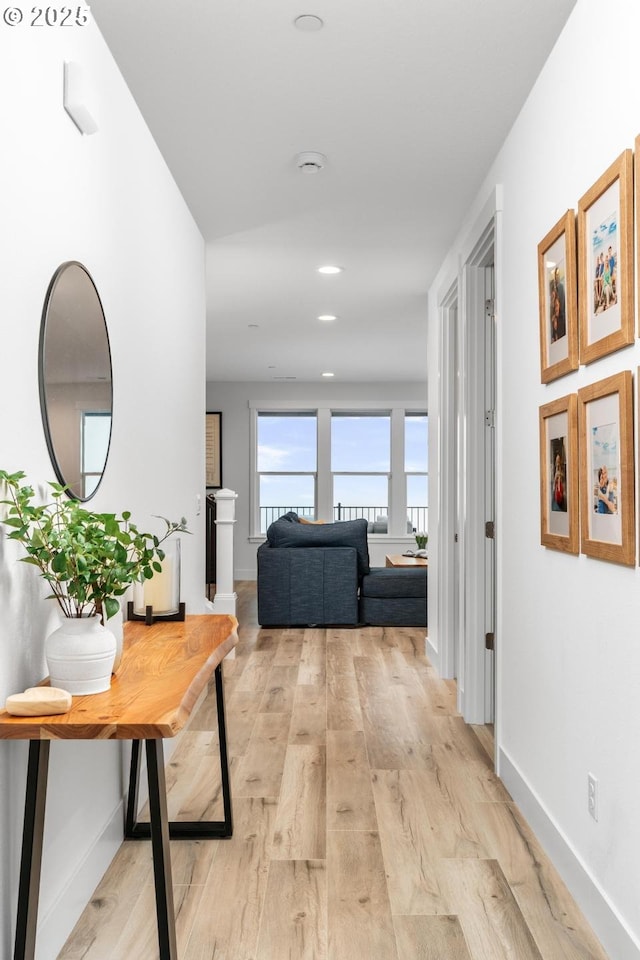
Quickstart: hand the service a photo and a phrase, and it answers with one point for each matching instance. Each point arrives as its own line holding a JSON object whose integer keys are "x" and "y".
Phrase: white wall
{"x": 569, "y": 656}
{"x": 110, "y": 202}
{"x": 233, "y": 400}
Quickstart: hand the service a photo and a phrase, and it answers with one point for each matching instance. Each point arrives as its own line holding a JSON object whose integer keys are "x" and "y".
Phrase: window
{"x": 416, "y": 469}
{"x": 339, "y": 463}
{"x": 96, "y": 432}
{"x": 360, "y": 466}
{"x": 286, "y": 462}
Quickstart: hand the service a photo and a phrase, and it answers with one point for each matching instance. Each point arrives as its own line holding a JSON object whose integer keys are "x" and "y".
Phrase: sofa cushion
{"x": 301, "y": 587}
{"x": 398, "y": 612}
{"x": 345, "y": 533}
{"x": 395, "y": 582}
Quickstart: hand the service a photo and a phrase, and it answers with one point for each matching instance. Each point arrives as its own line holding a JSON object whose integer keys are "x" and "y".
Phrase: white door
{"x": 490, "y": 497}
{"x": 458, "y": 470}
{"x": 476, "y": 467}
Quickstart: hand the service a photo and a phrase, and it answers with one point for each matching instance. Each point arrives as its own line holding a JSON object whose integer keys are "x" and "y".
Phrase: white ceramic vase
{"x": 80, "y": 655}
{"x": 115, "y": 625}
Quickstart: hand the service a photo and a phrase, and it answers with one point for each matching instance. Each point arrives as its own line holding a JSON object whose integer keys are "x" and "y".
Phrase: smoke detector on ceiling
{"x": 310, "y": 162}
{"x": 308, "y": 22}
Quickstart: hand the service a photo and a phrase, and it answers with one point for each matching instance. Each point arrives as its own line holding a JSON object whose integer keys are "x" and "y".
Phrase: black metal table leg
{"x": 159, "y": 824}
{"x": 31, "y": 862}
{"x": 227, "y": 823}
{"x": 186, "y": 829}
{"x": 134, "y": 783}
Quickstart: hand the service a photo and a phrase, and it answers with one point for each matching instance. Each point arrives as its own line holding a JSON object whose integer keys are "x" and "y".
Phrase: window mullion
{"x": 325, "y": 480}
{"x": 397, "y": 483}
{"x": 254, "y": 482}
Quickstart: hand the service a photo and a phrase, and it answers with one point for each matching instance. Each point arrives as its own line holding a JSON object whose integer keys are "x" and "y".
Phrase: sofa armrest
{"x": 307, "y": 585}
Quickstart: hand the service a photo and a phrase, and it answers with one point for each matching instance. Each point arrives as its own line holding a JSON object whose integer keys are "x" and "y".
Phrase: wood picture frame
{"x": 605, "y": 440}
{"x": 605, "y": 262}
{"x": 213, "y": 450}
{"x": 636, "y": 178}
{"x": 558, "y": 300}
{"x": 559, "y": 475}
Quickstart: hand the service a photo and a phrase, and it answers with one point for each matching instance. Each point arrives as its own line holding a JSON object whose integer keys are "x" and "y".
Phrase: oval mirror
{"x": 75, "y": 380}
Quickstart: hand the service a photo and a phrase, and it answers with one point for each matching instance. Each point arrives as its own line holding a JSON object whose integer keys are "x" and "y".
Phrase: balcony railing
{"x": 416, "y": 516}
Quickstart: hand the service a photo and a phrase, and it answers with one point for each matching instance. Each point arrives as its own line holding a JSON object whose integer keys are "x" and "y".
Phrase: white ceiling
{"x": 410, "y": 100}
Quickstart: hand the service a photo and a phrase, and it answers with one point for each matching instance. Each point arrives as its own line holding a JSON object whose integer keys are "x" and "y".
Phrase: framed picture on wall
{"x": 213, "y": 452}
{"x": 559, "y": 474}
{"x": 605, "y": 437}
{"x": 605, "y": 262}
{"x": 558, "y": 300}
{"x": 636, "y": 174}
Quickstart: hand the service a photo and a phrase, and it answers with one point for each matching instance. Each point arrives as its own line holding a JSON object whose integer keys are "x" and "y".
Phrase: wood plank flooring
{"x": 368, "y": 822}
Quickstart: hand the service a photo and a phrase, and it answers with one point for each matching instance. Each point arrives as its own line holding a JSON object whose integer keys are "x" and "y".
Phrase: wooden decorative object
{"x": 607, "y": 510}
{"x": 557, "y": 292}
{"x": 39, "y": 702}
{"x": 605, "y": 262}
{"x": 636, "y": 173}
{"x": 559, "y": 474}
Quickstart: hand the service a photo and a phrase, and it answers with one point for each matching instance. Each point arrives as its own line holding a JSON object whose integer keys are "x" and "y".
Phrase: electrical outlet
{"x": 592, "y": 795}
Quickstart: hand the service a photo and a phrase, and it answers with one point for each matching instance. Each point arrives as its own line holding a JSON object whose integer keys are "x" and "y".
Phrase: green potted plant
{"x": 422, "y": 539}
{"x": 89, "y": 560}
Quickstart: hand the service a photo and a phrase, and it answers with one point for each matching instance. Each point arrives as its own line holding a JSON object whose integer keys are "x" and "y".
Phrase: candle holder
{"x": 159, "y": 597}
{"x": 150, "y": 617}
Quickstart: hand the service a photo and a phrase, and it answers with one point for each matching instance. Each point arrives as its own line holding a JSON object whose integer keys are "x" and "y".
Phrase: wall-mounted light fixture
{"x": 75, "y": 97}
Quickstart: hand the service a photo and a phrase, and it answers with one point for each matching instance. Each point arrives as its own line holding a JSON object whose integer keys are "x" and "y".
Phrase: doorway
{"x": 467, "y": 534}
{"x": 477, "y": 510}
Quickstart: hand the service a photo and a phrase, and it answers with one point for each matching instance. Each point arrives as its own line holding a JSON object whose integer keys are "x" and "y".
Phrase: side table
{"x": 164, "y": 672}
{"x": 399, "y": 560}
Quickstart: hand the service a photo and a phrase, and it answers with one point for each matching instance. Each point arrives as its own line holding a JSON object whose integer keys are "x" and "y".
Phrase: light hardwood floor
{"x": 368, "y": 823}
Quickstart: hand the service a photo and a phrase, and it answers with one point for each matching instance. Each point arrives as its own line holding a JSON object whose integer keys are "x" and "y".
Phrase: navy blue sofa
{"x": 320, "y": 574}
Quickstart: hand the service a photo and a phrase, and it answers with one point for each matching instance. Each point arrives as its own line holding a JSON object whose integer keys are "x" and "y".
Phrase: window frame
{"x": 256, "y": 474}
{"x": 339, "y": 414}
{"x": 86, "y": 414}
{"x": 323, "y": 411}
{"x": 417, "y": 473}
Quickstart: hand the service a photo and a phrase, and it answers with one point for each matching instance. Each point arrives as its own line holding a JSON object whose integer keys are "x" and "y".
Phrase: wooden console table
{"x": 164, "y": 672}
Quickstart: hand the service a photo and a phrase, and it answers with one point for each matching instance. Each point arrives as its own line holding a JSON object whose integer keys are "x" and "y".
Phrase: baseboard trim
{"x": 612, "y": 931}
{"x": 432, "y": 653}
{"x": 56, "y": 925}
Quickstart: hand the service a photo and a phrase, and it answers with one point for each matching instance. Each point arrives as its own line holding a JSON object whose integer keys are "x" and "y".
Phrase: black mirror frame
{"x": 42, "y": 385}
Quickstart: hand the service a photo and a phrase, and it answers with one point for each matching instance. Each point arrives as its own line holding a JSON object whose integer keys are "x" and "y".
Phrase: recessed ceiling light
{"x": 308, "y": 22}
{"x": 327, "y": 317}
{"x": 330, "y": 269}
{"x": 328, "y": 374}
{"x": 255, "y": 326}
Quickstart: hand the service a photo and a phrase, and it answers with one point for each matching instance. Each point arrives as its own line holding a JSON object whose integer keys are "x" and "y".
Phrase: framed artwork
{"x": 559, "y": 474}
{"x": 605, "y": 438}
{"x": 605, "y": 262}
{"x": 636, "y": 173}
{"x": 558, "y": 300}
{"x": 213, "y": 455}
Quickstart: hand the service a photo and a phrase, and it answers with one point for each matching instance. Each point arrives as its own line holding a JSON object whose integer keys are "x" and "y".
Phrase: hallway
{"x": 368, "y": 824}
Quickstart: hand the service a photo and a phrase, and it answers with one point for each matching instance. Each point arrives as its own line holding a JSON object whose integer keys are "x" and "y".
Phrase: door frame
{"x": 481, "y": 247}
{"x": 449, "y": 320}
{"x": 478, "y": 575}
